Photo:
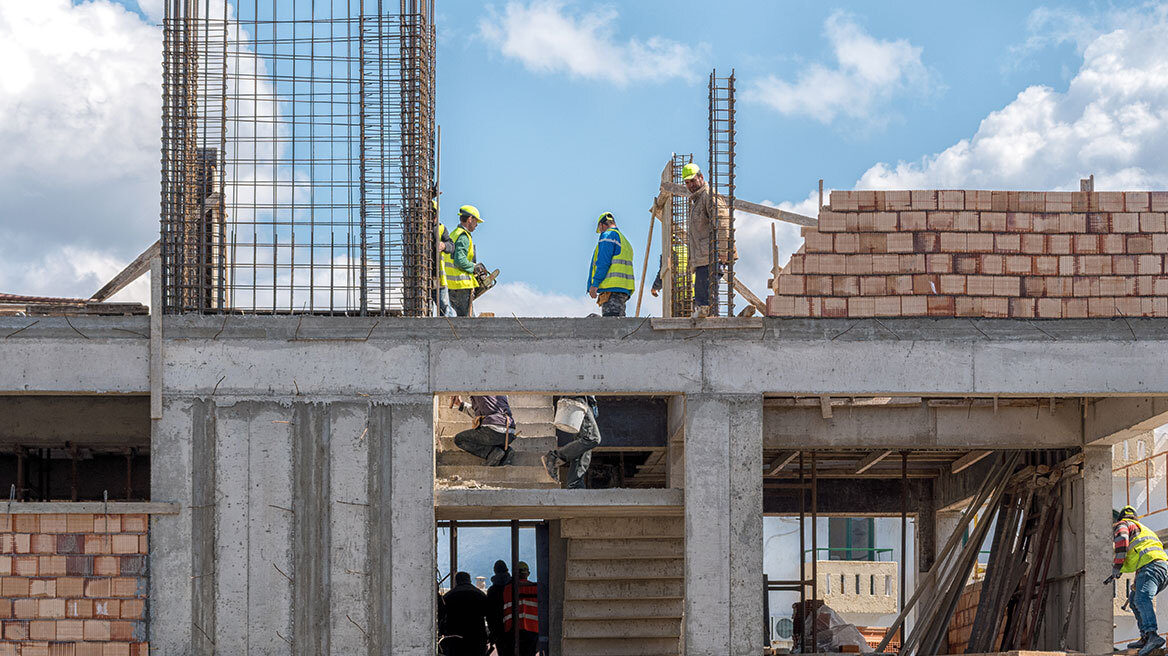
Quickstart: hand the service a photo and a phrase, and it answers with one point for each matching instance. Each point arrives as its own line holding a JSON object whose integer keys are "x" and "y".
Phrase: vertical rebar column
{"x": 417, "y": 142}
{"x": 681, "y": 294}
{"x": 721, "y": 181}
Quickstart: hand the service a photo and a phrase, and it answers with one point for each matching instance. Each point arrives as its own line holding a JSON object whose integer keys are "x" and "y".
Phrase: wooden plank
{"x": 871, "y": 460}
{"x": 968, "y": 460}
{"x": 749, "y": 295}
{"x": 784, "y": 458}
{"x": 751, "y": 208}
{"x": 132, "y": 272}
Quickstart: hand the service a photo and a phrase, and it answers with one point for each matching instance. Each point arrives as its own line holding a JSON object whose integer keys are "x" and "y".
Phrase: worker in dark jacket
{"x": 494, "y": 428}
{"x": 466, "y": 619}
{"x": 495, "y": 603}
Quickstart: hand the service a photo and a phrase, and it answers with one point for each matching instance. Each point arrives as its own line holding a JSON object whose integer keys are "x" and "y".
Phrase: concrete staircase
{"x": 624, "y": 587}
{"x": 534, "y": 415}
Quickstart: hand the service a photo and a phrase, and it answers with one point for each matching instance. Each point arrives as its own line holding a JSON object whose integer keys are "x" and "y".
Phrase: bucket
{"x": 570, "y": 415}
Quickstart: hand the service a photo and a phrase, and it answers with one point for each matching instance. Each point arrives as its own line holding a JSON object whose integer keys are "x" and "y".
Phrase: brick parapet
{"x": 73, "y": 584}
{"x": 947, "y": 253}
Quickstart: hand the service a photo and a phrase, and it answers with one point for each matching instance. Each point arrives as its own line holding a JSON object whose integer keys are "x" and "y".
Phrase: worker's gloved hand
{"x": 653, "y": 292}
{"x": 1115, "y": 574}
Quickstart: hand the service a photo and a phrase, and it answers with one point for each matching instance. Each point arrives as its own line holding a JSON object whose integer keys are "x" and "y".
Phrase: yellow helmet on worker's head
{"x": 434, "y": 204}
{"x": 690, "y": 171}
{"x": 470, "y": 210}
{"x": 607, "y": 216}
{"x": 1127, "y": 512}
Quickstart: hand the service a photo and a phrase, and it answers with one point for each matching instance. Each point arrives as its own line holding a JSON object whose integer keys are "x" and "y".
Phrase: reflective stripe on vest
{"x": 443, "y": 258}
{"x": 620, "y": 272}
{"x": 528, "y": 607}
{"x": 456, "y": 278}
{"x": 1143, "y": 549}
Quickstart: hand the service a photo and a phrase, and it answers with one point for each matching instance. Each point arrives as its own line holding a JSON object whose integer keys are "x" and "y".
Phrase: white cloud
{"x": 1111, "y": 121}
{"x": 79, "y": 161}
{"x": 752, "y": 236}
{"x": 869, "y": 72}
{"x": 548, "y": 38}
{"x": 153, "y": 9}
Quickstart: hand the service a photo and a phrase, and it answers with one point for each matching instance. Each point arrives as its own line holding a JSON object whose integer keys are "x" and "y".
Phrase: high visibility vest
{"x": 443, "y": 257}
{"x": 528, "y": 606}
{"x": 456, "y": 278}
{"x": 620, "y": 272}
{"x": 1142, "y": 549}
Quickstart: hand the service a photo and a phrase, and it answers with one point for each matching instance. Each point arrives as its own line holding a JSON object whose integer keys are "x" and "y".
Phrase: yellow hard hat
{"x": 470, "y": 210}
{"x": 607, "y": 216}
{"x": 690, "y": 171}
{"x": 434, "y": 204}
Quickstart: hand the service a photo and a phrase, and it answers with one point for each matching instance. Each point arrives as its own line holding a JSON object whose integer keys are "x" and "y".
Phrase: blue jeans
{"x": 445, "y": 309}
{"x": 578, "y": 452}
{"x": 1150, "y": 580}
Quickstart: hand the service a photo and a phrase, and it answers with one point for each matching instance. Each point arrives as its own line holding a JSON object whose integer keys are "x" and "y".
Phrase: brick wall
{"x": 981, "y": 254}
{"x": 73, "y": 585}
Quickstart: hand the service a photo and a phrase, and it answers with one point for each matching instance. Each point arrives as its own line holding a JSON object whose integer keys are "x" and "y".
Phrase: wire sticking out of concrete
{"x": 367, "y": 636}
{"x": 521, "y": 325}
{"x": 74, "y": 327}
{"x": 636, "y": 329}
{"x": 282, "y": 572}
{"x": 20, "y": 330}
{"x": 452, "y": 328}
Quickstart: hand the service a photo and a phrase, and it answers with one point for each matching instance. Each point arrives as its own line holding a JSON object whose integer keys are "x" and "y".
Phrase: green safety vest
{"x": 620, "y": 271}
{"x": 1142, "y": 549}
{"x": 456, "y": 278}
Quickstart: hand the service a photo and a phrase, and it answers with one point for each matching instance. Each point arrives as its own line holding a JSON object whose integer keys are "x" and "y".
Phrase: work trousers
{"x": 528, "y": 644}
{"x": 615, "y": 305}
{"x": 460, "y": 301}
{"x": 578, "y": 453}
{"x": 483, "y": 442}
{"x": 702, "y": 287}
{"x": 1150, "y": 580}
{"x": 443, "y": 303}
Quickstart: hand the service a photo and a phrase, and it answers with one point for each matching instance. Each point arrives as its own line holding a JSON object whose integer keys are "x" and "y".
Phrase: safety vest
{"x": 528, "y": 606}
{"x": 620, "y": 271}
{"x": 456, "y": 278}
{"x": 1143, "y": 548}
{"x": 443, "y": 259}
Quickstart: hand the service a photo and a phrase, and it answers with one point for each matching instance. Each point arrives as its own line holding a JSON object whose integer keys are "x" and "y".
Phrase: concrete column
{"x": 723, "y": 525}
{"x": 1091, "y": 528}
{"x": 401, "y": 534}
{"x": 171, "y": 564}
{"x": 557, "y": 574}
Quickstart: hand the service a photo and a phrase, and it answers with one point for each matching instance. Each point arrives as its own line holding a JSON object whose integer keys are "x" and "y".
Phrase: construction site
{"x": 911, "y": 442}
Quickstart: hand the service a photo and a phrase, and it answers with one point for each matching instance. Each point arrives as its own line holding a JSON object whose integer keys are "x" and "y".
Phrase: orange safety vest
{"x": 528, "y": 606}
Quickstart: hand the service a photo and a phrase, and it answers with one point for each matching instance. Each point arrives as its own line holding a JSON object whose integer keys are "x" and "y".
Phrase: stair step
{"x": 621, "y": 647}
{"x": 624, "y": 629}
{"x": 526, "y": 477}
{"x": 624, "y": 589}
{"x": 459, "y": 458}
{"x": 623, "y": 527}
{"x": 526, "y": 430}
{"x": 529, "y": 444}
{"x": 622, "y": 609}
{"x": 664, "y": 568}
{"x": 616, "y": 548}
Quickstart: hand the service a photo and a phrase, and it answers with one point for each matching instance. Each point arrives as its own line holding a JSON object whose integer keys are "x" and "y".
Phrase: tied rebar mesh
{"x": 721, "y": 181}
{"x": 681, "y": 294}
{"x": 298, "y": 156}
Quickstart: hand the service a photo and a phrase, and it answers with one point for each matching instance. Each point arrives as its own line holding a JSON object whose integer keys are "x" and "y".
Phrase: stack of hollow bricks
{"x": 73, "y": 585}
{"x": 981, "y": 254}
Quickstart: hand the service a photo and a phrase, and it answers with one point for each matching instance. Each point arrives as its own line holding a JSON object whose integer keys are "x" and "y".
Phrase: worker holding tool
{"x": 493, "y": 431}
{"x": 1137, "y": 549}
{"x": 610, "y": 278}
{"x": 681, "y": 256}
{"x": 459, "y": 269}
{"x": 445, "y": 247}
{"x": 577, "y": 454}
{"x": 706, "y": 208}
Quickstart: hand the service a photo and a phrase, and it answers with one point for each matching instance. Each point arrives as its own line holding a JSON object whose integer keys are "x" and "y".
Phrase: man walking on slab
{"x": 1137, "y": 549}
{"x": 577, "y": 454}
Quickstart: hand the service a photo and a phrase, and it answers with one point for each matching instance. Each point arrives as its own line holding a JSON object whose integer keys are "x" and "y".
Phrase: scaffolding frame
{"x": 298, "y": 157}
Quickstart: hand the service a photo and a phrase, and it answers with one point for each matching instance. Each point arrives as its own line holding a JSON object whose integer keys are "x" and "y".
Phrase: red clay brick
{"x": 1050, "y": 308}
{"x": 1018, "y": 222}
{"x": 816, "y": 286}
{"x": 865, "y": 199}
{"x": 43, "y": 543}
{"x": 1058, "y": 201}
{"x": 846, "y": 285}
{"x": 860, "y": 306}
{"x": 1100, "y": 306}
{"x": 14, "y": 586}
{"x": 97, "y": 544}
{"x": 873, "y": 286}
{"x": 953, "y": 242}
{"x": 900, "y": 285}
{"x": 1019, "y": 265}
{"x": 81, "y": 608}
{"x": 1032, "y": 201}
{"x": 911, "y": 264}
{"x": 992, "y": 264}
{"x": 926, "y": 284}
{"x": 952, "y": 285}
{"x": 70, "y": 630}
{"x": 1150, "y": 265}
{"x": 42, "y": 588}
{"x": 1136, "y": 201}
{"x": 1074, "y": 308}
{"x": 1044, "y": 223}
{"x": 887, "y": 306}
{"x": 897, "y": 200}
{"x": 97, "y": 588}
{"x": 70, "y": 586}
{"x": 788, "y": 284}
{"x": 89, "y": 649}
{"x": 940, "y": 221}
{"x": 900, "y": 242}
{"x": 832, "y": 307}
{"x": 912, "y": 221}
{"x": 52, "y": 523}
{"x": 115, "y": 649}
{"x": 1009, "y": 242}
{"x": 51, "y": 608}
{"x": 26, "y": 523}
{"x": 888, "y": 264}
{"x": 940, "y": 306}
{"x": 926, "y": 242}
{"x": 106, "y": 608}
{"x": 1022, "y": 307}
{"x": 52, "y": 566}
{"x": 924, "y": 200}
{"x": 1110, "y": 201}
{"x": 940, "y": 263}
{"x": 124, "y": 586}
{"x": 25, "y": 565}
{"x": 1124, "y": 265}
{"x": 97, "y": 630}
{"x": 16, "y": 630}
{"x": 24, "y": 609}
{"x": 914, "y": 306}
{"x": 873, "y": 243}
{"x": 1072, "y": 222}
{"x": 832, "y": 221}
{"x": 1138, "y": 244}
{"x": 1153, "y": 222}
{"x": 1085, "y": 244}
{"x": 1007, "y": 286}
{"x": 967, "y": 306}
{"x": 5, "y": 609}
{"x": 1114, "y": 286}
{"x": 1046, "y": 265}
{"x": 1125, "y": 222}
{"x": 818, "y": 242}
{"x": 992, "y": 221}
{"x": 1092, "y": 265}
{"x": 950, "y": 200}
{"x": 79, "y": 523}
{"x": 884, "y": 221}
{"x": 106, "y": 566}
{"x": 107, "y": 523}
{"x": 1033, "y": 286}
{"x": 42, "y": 630}
{"x": 980, "y": 242}
{"x": 966, "y": 221}
{"x": 847, "y": 242}
{"x": 980, "y": 285}
{"x": 1059, "y": 286}
{"x": 995, "y": 307}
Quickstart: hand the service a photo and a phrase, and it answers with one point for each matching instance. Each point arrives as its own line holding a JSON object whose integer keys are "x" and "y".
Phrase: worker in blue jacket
{"x": 610, "y": 278}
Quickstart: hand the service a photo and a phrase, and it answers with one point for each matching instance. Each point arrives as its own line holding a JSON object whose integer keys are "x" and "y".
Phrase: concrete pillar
{"x": 723, "y": 525}
{"x": 557, "y": 575}
{"x": 401, "y": 534}
{"x": 170, "y": 535}
{"x": 1091, "y": 528}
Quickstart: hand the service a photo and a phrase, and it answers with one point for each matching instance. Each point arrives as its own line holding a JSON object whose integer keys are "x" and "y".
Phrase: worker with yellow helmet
{"x": 459, "y": 269}
{"x": 445, "y": 247}
{"x": 1139, "y": 550}
{"x": 610, "y": 277}
{"x": 707, "y": 209}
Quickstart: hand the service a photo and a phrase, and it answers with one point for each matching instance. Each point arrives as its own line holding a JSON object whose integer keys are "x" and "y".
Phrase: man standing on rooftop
{"x": 610, "y": 278}
{"x": 706, "y": 208}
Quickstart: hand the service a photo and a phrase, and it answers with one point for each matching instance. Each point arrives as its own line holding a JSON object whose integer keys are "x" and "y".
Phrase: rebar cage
{"x": 298, "y": 156}
{"x": 681, "y": 290}
{"x": 721, "y": 181}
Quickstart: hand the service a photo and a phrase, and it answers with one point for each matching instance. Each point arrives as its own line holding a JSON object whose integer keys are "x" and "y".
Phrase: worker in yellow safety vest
{"x": 681, "y": 256}
{"x": 445, "y": 246}
{"x": 459, "y": 268}
{"x": 610, "y": 277}
{"x": 1139, "y": 550}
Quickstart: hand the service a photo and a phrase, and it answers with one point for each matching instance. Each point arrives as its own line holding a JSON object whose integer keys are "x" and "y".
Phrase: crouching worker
{"x": 577, "y": 454}
{"x": 1137, "y": 549}
{"x": 494, "y": 428}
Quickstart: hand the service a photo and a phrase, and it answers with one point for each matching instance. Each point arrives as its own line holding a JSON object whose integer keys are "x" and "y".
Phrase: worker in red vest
{"x": 528, "y": 615}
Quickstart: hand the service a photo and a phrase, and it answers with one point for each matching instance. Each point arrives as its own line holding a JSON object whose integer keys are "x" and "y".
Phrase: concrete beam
{"x": 844, "y": 497}
{"x": 555, "y": 503}
{"x": 87, "y": 421}
{"x": 1111, "y": 421}
{"x": 906, "y": 427}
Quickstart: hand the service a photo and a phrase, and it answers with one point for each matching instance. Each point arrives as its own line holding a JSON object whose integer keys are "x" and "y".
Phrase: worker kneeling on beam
{"x": 493, "y": 431}
{"x": 459, "y": 268}
{"x": 1137, "y": 549}
{"x": 610, "y": 278}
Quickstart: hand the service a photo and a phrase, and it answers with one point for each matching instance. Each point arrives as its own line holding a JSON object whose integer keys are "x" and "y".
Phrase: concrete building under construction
{"x": 262, "y": 464}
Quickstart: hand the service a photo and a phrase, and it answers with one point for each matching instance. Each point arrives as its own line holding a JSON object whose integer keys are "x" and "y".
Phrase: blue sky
{"x": 553, "y": 112}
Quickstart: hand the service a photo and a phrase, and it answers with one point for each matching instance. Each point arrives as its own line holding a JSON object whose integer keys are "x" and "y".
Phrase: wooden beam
{"x": 749, "y": 295}
{"x": 132, "y": 272}
{"x": 968, "y": 460}
{"x": 871, "y": 460}
{"x": 825, "y": 406}
{"x": 785, "y": 458}
{"x": 751, "y": 208}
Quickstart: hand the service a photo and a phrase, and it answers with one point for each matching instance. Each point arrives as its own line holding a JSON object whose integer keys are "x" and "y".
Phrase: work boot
{"x": 551, "y": 462}
{"x": 499, "y": 457}
{"x": 701, "y": 312}
{"x": 1155, "y": 641}
{"x": 1138, "y": 643}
